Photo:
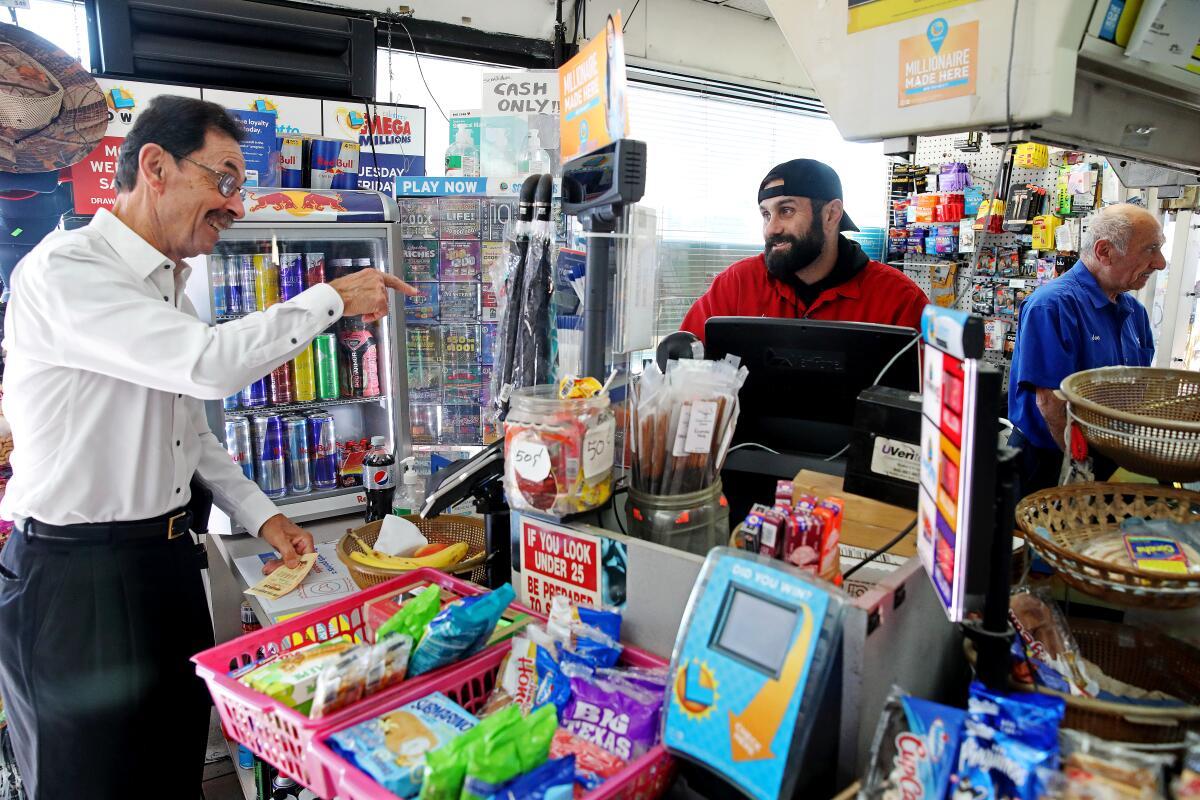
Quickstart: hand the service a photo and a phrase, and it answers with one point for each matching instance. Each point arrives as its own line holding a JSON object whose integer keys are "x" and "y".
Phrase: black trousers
{"x": 95, "y": 642}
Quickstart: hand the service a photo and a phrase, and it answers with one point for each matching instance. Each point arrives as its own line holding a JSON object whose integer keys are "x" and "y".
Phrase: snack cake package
{"x": 915, "y": 749}
{"x": 391, "y": 748}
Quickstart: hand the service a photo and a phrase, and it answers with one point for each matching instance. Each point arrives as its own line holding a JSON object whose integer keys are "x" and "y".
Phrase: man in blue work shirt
{"x": 1082, "y": 320}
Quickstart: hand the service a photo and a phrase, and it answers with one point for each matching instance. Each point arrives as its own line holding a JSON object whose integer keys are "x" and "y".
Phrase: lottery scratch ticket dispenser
{"x": 750, "y": 669}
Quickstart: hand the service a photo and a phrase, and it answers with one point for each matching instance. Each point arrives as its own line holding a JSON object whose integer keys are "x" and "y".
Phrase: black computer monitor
{"x": 805, "y": 376}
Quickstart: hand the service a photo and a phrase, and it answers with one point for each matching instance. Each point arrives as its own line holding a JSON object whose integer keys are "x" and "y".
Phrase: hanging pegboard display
{"x": 941, "y": 214}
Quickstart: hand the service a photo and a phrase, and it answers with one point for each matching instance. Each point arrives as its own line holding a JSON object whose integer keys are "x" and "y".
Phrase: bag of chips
{"x": 622, "y": 719}
{"x": 460, "y": 630}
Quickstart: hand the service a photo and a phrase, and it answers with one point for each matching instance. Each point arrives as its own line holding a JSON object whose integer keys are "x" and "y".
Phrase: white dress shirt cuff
{"x": 254, "y": 511}
{"x": 323, "y": 300}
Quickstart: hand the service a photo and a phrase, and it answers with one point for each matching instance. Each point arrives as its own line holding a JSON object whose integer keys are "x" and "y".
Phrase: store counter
{"x": 226, "y": 584}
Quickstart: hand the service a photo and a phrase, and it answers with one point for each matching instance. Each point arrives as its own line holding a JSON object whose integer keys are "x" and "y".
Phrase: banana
{"x": 440, "y": 560}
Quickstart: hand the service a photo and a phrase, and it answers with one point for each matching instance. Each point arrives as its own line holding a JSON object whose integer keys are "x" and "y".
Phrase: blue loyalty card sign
{"x": 748, "y": 650}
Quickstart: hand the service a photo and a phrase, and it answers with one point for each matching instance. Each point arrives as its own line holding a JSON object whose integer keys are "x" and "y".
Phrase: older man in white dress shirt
{"x": 101, "y": 599}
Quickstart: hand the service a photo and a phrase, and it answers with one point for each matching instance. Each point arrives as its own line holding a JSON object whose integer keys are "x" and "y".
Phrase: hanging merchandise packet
{"x": 460, "y": 630}
{"x": 1010, "y": 746}
{"x": 284, "y": 579}
{"x": 915, "y": 749}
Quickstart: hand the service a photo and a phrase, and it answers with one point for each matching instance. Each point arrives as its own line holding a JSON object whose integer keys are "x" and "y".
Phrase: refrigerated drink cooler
{"x": 302, "y": 431}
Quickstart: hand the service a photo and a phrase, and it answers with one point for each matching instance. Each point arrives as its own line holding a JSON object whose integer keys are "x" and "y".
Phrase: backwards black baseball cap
{"x": 806, "y": 177}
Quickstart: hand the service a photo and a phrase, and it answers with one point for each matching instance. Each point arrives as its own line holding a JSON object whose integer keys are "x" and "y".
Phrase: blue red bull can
{"x": 291, "y": 161}
{"x": 270, "y": 460}
{"x": 232, "y": 403}
{"x": 291, "y": 275}
{"x": 330, "y": 163}
{"x": 237, "y": 444}
{"x": 233, "y": 286}
{"x": 322, "y": 449}
{"x": 295, "y": 434}
{"x": 255, "y": 395}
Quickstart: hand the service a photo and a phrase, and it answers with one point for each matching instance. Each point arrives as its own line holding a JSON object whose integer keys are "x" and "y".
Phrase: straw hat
{"x": 52, "y": 112}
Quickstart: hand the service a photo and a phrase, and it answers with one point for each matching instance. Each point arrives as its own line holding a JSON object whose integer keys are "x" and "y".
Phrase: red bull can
{"x": 291, "y": 161}
{"x": 233, "y": 285}
{"x": 280, "y": 381}
{"x": 248, "y": 278}
{"x": 291, "y": 275}
{"x": 330, "y": 163}
{"x": 255, "y": 395}
{"x": 314, "y": 269}
{"x": 325, "y": 356}
{"x": 266, "y": 281}
{"x": 295, "y": 435}
{"x": 216, "y": 275}
{"x": 237, "y": 444}
{"x": 270, "y": 463}
{"x": 322, "y": 448}
{"x": 305, "y": 375}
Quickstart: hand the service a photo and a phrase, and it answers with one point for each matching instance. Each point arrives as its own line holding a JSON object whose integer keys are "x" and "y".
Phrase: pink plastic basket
{"x": 469, "y": 684}
{"x": 279, "y": 734}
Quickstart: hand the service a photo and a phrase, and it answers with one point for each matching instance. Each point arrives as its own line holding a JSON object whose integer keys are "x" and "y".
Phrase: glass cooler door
{"x": 302, "y": 431}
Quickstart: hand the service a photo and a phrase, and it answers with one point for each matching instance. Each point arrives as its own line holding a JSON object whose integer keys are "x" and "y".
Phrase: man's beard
{"x": 803, "y": 251}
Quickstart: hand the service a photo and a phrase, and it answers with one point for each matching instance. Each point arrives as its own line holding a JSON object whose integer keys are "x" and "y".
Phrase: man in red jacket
{"x": 807, "y": 268}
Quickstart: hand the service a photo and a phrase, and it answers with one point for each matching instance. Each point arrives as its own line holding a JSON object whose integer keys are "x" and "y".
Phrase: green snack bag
{"x": 446, "y": 767}
{"x": 534, "y": 746}
{"x": 511, "y": 751}
{"x": 414, "y": 616}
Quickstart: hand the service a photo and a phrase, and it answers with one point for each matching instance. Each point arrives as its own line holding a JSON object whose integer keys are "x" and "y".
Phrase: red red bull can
{"x": 291, "y": 161}
{"x": 330, "y": 163}
{"x": 281, "y": 385}
{"x": 291, "y": 275}
{"x": 314, "y": 268}
{"x": 322, "y": 450}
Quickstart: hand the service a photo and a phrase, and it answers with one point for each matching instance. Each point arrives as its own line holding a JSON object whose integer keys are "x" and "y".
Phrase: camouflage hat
{"x": 52, "y": 112}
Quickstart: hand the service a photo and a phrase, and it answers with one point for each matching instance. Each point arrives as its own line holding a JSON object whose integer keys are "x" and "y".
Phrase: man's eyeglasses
{"x": 227, "y": 183}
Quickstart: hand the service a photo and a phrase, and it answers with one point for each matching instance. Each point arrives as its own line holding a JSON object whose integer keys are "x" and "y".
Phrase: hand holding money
{"x": 284, "y": 579}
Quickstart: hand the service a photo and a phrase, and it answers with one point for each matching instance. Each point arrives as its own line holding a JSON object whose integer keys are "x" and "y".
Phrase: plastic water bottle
{"x": 379, "y": 479}
{"x": 534, "y": 160}
{"x": 462, "y": 157}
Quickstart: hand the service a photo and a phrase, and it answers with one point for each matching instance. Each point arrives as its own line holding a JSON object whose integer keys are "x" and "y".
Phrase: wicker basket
{"x": 1141, "y": 658}
{"x": 1146, "y": 420}
{"x": 450, "y": 529}
{"x": 1058, "y": 522}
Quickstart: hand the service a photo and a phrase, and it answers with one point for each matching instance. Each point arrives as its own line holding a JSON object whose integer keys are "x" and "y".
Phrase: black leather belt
{"x": 167, "y": 527}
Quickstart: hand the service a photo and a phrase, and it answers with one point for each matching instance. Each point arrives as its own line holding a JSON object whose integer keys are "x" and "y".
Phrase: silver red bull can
{"x": 291, "y": 275}
{"x": 237, "y": 444}
{"x": 322, "y": 449}
{"x": 270, "y": 461}
{"x": 295, "y": 433}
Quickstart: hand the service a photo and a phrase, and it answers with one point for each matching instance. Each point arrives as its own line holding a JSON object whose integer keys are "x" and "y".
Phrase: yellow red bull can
{"x": 305, "y": 374}
{"x": 266, "y": 281}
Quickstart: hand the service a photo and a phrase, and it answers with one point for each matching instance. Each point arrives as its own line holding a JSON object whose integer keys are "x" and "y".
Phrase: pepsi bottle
{"x": 379, "y": 479}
